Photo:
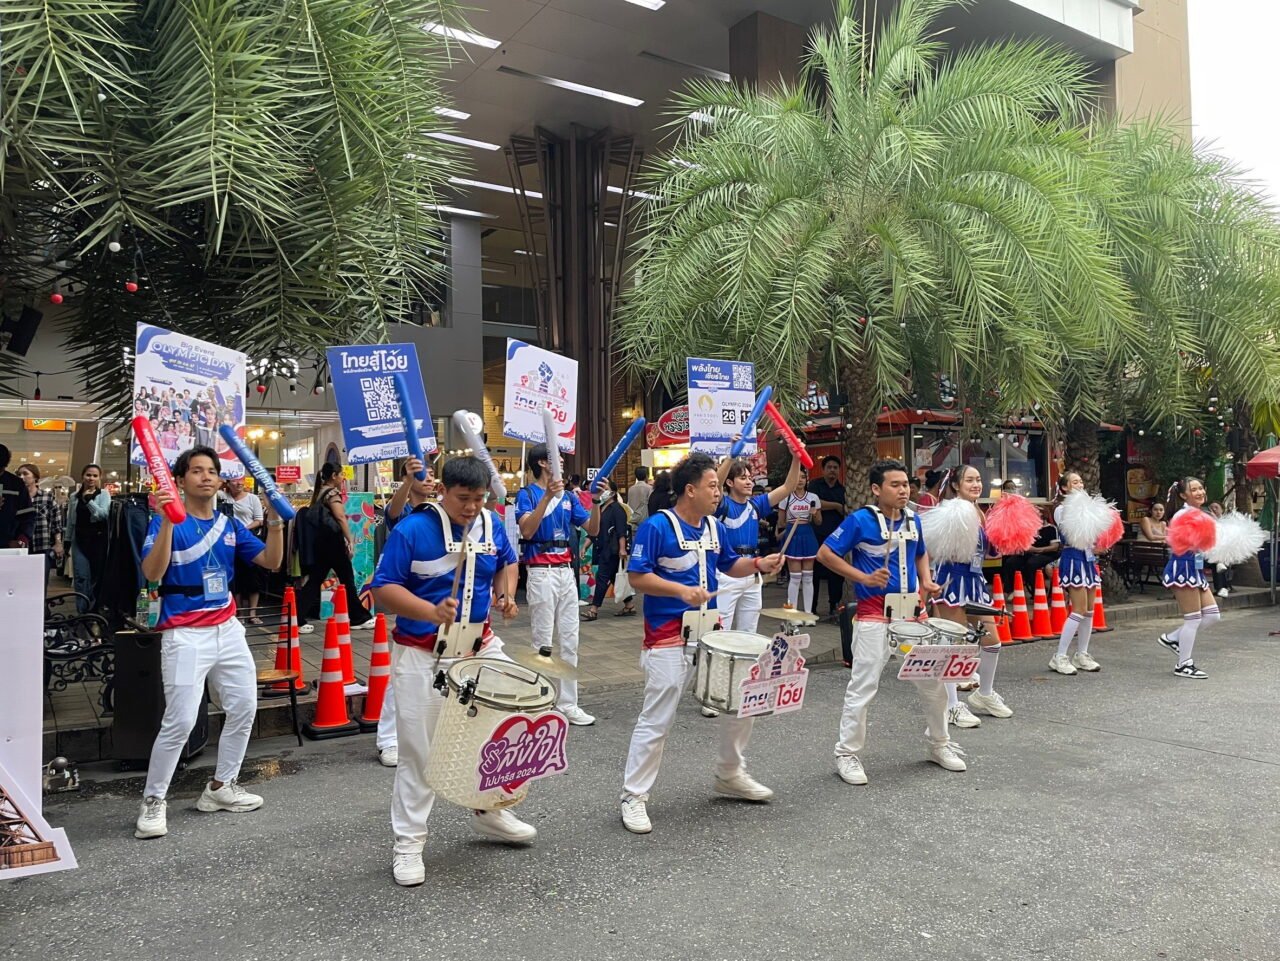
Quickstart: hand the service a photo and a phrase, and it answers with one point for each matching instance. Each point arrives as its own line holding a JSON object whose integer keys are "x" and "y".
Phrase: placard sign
{"x": 522, "y": 749}
{"x": 535, "y": 379}
{"x": 778, "y": 679}
{"x": 947, "y": 662}
{"x": 289, "y": 474}
{"x": 368, "y": 406}
{"x": 721, "y": 395}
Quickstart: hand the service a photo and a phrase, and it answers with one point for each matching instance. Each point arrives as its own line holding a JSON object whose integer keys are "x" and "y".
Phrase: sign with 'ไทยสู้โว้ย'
{"x": 721, "y": 395}
{"x": 368, "y": 406}
{"x": 778, "y": 679}
{"x": 537, "y": 378}
{"x": 943, "y": 662}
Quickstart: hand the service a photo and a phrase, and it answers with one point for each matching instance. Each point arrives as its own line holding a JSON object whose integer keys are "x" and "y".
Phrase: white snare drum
{"x": 479, "y": 692}
{"x": 724, "y": 661}
{"x": 949, "y": 632}
{"x": 459, "y": 639}
{"x": 904, "y": 635}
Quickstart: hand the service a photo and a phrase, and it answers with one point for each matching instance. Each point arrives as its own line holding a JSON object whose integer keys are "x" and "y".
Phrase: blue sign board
{"x": 365, "y": 392}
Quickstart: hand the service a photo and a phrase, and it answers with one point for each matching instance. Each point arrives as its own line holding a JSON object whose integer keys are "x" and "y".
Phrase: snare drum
{"x": 724, "y": 661}
{"x": 479, "y": 692}
{"x": 949, "y": 632}
{"x": 904, "y": 635}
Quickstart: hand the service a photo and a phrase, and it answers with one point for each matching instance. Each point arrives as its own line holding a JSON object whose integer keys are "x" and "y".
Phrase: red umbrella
{"x": 1265, "y": 465}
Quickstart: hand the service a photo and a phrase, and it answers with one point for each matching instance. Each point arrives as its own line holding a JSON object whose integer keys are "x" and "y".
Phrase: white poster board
{"x": 537, "y": 378}
{"x": 721, "y": 395}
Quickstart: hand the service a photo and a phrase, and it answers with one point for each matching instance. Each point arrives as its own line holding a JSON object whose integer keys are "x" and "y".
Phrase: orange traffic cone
{"x": 1041, "y": 626}
{"x": 342, "y": 615}
{"x": 1002, "y": 619}
{"x": 1021, "y": 630}
{"x": 379, "y": 676}
{"x": 289, "y": 648}
{"x": 331, "y": 718}
{"x": 1099, "y": 615}
{"x": 1058, "y": 606}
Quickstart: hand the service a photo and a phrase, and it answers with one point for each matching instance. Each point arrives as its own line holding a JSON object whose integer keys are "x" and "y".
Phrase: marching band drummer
{"x": 674, "y": 564}
{"x": 415, "y": 581}
{"x": 889, "y": 557}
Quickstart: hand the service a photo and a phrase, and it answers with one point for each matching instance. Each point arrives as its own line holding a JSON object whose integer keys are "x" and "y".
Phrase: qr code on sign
{"x": 380, "y": 401}
{"x": 742, "y": 377}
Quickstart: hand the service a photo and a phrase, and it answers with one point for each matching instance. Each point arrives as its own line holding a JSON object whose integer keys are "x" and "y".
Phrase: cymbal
{"x": 550, "y": 666}
{"x": 789, "y": 614}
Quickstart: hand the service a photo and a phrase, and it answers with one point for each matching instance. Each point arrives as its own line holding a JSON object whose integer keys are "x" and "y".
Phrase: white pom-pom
{"x": 1239, "y": 538}
{"x": 1084, "y": 518}
{"x": 951, "y": 530}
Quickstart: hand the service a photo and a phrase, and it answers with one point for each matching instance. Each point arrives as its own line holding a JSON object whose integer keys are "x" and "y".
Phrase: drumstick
{"x": 786, "y": 541}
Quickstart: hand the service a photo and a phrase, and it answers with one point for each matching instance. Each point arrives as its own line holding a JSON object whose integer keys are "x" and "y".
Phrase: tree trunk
{"x": 1242, "y": 443}
{"x": 863, "y": 406}
{"x": 1082, "y": 451}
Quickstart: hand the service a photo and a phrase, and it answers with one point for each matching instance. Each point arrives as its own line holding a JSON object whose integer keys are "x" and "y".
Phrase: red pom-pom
{"x": 1114, "y": 534}
{"x": 1012, "y": 524}
{"x": 1192, "y": 532}
{"x": 131, "y": 286}
{"x": 55, "y": 298}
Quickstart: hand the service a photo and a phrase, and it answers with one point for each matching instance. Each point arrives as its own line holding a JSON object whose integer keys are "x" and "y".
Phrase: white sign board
{"x": 778, "y": 679}
{"x": 721, "y": 395}
{"x": 945, "y": 662}
{"x": 537, "y": 378}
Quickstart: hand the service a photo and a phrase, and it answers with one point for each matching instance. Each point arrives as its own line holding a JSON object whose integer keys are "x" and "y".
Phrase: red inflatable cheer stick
{"x": 788, "y": 435}
{"x": 159, "y": 468}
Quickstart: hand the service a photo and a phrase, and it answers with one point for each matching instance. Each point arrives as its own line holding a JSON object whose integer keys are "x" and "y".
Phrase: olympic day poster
{"x": 721, "y": 395}
{"x": 537, "y": 378}
{"x": 364, "y": 390}
{"x": 187, "y": 388}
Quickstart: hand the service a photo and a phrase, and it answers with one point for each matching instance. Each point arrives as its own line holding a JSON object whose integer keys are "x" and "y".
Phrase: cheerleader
{"x": 964, "y": 583}
{"x": 1184, "y": 576}
{"x": 1078, "y": 570}
{"x": 801, "y": 512}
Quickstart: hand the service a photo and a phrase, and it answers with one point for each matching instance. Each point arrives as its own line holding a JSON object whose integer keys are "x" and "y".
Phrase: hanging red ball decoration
{"x": 1197, "y": 431}
{"x": 131, "y": 286}
{"x": 968, "y": 410}
{"x": 55, "y": 298}
{"x": 262, "y": 388}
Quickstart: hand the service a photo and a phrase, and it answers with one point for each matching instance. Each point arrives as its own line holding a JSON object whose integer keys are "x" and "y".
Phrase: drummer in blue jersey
{"x": 675, "y": 563}
{"x": 415, "y": 581}
{"x": 889, "y": 558}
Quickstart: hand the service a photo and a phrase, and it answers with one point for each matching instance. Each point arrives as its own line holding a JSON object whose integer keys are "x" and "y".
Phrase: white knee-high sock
{"x": 806, "y": 588}
{"x": 1083, "y": 634}
{"x": 1187, "y": 636}
{"x": 988, "y": 657}
{"x": 793, "y": 588}
{"x": 953, "y": 698}
{"x": 1074, "y": 620}
{"x": 1210, "y": 615}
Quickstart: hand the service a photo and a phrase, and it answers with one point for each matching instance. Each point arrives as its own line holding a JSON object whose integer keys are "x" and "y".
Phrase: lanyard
{"x": 211, "y": 534}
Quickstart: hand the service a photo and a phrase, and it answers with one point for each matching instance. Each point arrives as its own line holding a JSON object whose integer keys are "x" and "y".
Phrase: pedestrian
{"x": 888, "y": 553}
{"x": 932, "y": 492}
{"x": 610, "y": 548}
{"x": 1184, "y": 576}
{"x": 46, "y": 531}
{"x": 675, "y": 563}
{"x": 638, "y": 497}
{"x": 549, "y": 518}
{"x": 415, "y": 581}
{"x": 1078, "y": 572}
{"x": 798, "y": 514}
{"x": 332, "y": 547}
{"x": 1153, "y": 527}
{"x": 831, "y": 499}
{"x": 202, "y": 638}
{"x": 660, "y": 498}
{"x": 86, "y": 532}
{"x": 247, "y": 509}
{"x": 17, "y": 517}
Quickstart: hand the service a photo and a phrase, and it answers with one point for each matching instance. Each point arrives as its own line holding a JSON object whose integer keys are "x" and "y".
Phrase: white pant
{"x": 418, "y": 707}
{"x": 870, "y": 654}
{"x": 740, "y": 596}
{"x": 189, "y": 656}
{"x": 386, "y": 736}
{"x": 553, "y": 609}
{"x": 667, "y": 674}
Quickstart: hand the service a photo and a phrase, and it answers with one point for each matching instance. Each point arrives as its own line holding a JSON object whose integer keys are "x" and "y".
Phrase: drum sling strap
{"x": 905, "y": 533}
{"x": 472, "y": 549}
{"x": 709, "y": 540}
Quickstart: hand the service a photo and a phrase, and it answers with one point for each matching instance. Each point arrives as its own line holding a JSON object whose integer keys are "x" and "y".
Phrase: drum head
{"x": 736, "y": 642}
{"x": 948, "y": 629}
{"x": 911, "y": 631}
{"x": 503, "y": 684}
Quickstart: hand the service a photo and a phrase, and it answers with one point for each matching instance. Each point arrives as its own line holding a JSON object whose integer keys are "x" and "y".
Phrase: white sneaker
{"x": 366, "y": 626}
{"x": 1188, "y": 669}
{"x": 151, "y": 821}
{"x": 710, "y": 712}
{"x": 1224, "y": 592}
{"x": 311, "y": 629}
{"x": 1062, "y": 664}
{"x": 577, "y": 716}
{"x": 992, "y": 704}
{"x": 961, "y": 716}
{"x": 1169, "y": 644}
{"x": 850, "y": 769}
{"x": 1085, "y": 662}
{"x": 947, "y": 758}
{"x": 389, "y": 756}
{"x": 230, "y": 797}
{"x": 408, "y": 869}
{"x": 634, "y": 816}
{"x": 743, "y": 786}
{"x": 502, "y": 826}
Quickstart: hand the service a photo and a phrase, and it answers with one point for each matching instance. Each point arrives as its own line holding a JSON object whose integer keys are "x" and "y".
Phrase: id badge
{"x": 1199, "y": 562}
{"x": 215, "y": 585}
{"x": 975, "y": 565}
{"x": 1089, "y": 555}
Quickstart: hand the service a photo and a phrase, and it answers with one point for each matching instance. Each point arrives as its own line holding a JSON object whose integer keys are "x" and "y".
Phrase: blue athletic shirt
{"x": 557, "y": 525}
{"x": 741, "y": 522}
{"x": 200, "y": 545}
{"x": 415, "y": 558}
{"x": 657, "y": 551}
{"x": 859, "y": 535}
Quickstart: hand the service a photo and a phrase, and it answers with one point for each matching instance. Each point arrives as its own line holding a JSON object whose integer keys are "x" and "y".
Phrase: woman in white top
{"x": 801, "y": 512}
{"x": 1153, "y": 527}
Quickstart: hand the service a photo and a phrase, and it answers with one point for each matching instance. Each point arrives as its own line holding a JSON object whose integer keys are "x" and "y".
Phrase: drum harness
{"x": 906, "y": 532}
{"x": 709, "y": 540}
{"x": 468, "y": 550}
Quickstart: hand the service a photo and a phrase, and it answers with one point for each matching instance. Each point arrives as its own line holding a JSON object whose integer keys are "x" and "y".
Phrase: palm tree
{"x": 258, "y": 169}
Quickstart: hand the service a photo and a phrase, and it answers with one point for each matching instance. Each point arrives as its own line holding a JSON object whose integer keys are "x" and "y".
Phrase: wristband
{"x": 755, "y": 561}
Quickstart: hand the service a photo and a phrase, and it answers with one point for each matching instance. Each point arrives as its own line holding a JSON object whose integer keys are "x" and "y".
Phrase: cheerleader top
{"x": 1087, "y": 549}
{"x": 980, "y": 553}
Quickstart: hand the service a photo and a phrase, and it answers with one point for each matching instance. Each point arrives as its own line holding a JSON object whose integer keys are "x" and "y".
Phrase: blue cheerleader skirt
{"x": 804, "y": 545}
{"x": 1077, "y": 569}
{"x": 962, "y": 585}
{"x": 1185, "y": 570}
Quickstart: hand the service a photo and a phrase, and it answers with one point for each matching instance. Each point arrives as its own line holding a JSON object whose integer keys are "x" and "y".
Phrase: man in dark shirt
{"x": 831, "y": 493}
{"x": 17, "y": 516}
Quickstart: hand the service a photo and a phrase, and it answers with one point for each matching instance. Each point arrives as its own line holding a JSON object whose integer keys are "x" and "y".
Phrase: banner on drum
{"x": 946, "y": 662}
{"x": 721, "y": 395}
{"x": 778, "y": 678}
{"x": 187, "y": 389}
{"x": 368, "y": 406}
{"x": 522, "y": 749}
{"x": 535, "y": 379}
